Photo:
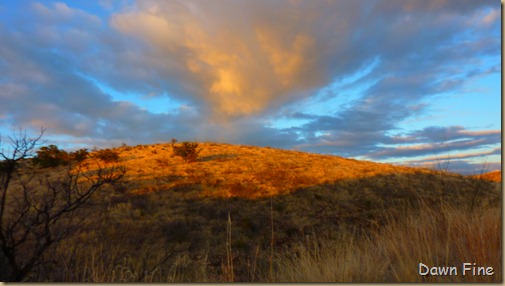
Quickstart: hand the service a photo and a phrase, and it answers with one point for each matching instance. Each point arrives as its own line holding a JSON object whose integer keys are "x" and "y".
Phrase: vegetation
{"x": 51, "y": 156}
{"x": 187, "y": 151}
{"x": 263, "y": 215}
{"x": 322, "y": 233}
{"x": 435, "y": 237}
{"x": 107, "y": 155}
{"x": 80, "y": 155}
{"x": 36, "y": 213}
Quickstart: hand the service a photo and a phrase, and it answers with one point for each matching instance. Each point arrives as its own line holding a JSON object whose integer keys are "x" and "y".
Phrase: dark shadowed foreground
{"x": 369, "y": 230}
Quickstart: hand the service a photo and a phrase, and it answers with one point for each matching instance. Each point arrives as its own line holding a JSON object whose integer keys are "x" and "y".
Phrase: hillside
{"x": 494, "y": 176}
{"x": 234, "y": 170}
{"x": 252, "y": 214}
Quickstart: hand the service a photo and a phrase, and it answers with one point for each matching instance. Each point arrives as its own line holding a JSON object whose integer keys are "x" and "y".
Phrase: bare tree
{"x": 35, "y": 213}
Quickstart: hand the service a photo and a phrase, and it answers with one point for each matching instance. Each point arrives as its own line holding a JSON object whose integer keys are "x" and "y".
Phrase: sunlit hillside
{"x": 236, "y": 170}
{"x": 258, "y": 214}
{"x": 494, "y": 176}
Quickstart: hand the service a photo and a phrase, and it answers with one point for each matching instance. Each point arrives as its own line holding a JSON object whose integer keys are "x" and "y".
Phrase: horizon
{"x": 401, "y": 82}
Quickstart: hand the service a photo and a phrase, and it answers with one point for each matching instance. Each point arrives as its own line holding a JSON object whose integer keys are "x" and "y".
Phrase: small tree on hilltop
{"x": 51, "y": 156}
{"x": 80, "y": 155}
{"x": 107, "y": 155}
{"x": 188, "y": 151}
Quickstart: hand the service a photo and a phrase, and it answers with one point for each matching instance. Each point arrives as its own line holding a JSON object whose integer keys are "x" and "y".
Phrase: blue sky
{"x": 397, "y": 81}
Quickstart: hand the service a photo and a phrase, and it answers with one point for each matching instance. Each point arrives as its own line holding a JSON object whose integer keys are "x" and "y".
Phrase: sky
{"x": 411, "y": 82}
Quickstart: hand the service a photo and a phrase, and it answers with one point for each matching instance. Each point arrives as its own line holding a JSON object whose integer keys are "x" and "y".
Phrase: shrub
{"x": 107, "y": 155}
{"x": 188, "y": 151}
{"x": 37, "y": 214}
{"x": 4, "y": 167}
{"x": 120, "y": 188}
{"x": 80, "y": 155}
{"x": 51, "y": 156}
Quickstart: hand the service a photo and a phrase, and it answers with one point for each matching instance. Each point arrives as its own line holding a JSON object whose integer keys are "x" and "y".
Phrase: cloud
{"x": 59, "y": 12}
{"x": 495, "y": 151}
{"x": 241, "y": 63}
{"x": 234, "y": 66}
{"x": 357, "y": 138}
{"x": 446, "y": 134}
{"x": 426, "y": 149}
{"x": 456, "y": 166}
{"x": 41, "y": 86}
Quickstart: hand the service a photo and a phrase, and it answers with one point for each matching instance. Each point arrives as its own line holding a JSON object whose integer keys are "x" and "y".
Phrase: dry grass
{"x": 435, "y": 237}
{"x": 102, "y": 265}
{"x": 225, "y": 170}
{"x": 314, "y": 218}
{"x": 443, "y": 236}
{"x": 494, "y": 176}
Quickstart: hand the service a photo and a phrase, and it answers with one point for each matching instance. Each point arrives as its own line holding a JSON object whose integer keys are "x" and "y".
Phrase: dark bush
{"x": 188, "y": 151}
{"x": 107, "y": 155}
{"x": 51, "y": 156}
{"x": 4, "y": 167}
{"x": 79, "y": 155}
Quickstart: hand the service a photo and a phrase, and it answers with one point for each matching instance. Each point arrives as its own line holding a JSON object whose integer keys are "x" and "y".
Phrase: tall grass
{"x": 376, "y": 229}
{"x": 100, "y": 264}
{"x": 435, "y": 237}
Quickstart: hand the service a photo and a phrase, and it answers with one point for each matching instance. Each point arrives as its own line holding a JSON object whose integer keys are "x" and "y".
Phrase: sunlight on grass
{"x": 447, "y": 237}
{"x": 243, "y": 171}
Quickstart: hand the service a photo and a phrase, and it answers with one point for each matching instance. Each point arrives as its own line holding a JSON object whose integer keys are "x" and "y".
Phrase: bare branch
{"x": 30, "y": 213}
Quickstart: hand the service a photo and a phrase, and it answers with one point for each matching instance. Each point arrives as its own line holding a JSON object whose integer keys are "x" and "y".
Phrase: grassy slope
{"x": 494, "y": 176}
{"x": 229, "y": 170}
{"x": 168, "y": 221}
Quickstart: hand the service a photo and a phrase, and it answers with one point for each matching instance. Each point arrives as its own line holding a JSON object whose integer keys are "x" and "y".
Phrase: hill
{"x": 246, "y": 171}
{"x": 494, "y": 176}
{"x": 252, "y": 214}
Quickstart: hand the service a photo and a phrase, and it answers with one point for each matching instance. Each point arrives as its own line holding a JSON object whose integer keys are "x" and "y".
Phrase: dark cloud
{"x": 437, "y": 148}
{"x": 362, "y": 140}
{"x": 434, "y": 134}
{"x": 360, "y": 128}
{"x": 458, "y": 156}
{"x": 459, "y": 166}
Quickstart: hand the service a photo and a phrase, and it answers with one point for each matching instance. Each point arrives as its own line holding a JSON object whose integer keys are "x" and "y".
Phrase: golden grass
{"x": 494, "y": 176}
{"x": 443, "y": 237}
{"x": 138, "y": 229}
{"x": 226, "y": 170}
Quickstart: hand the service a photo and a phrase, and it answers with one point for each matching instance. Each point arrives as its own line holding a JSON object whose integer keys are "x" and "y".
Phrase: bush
{"x": 107, "y": 155}
{"x": 80, "y": 155}
{"x": 51, "y": 156}
{"x": 4, "y": 167}
{"x": 188, "y": 151}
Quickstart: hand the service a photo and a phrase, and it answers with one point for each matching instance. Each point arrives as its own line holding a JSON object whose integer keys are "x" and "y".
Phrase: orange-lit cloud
{"x": 243, "y": 64}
